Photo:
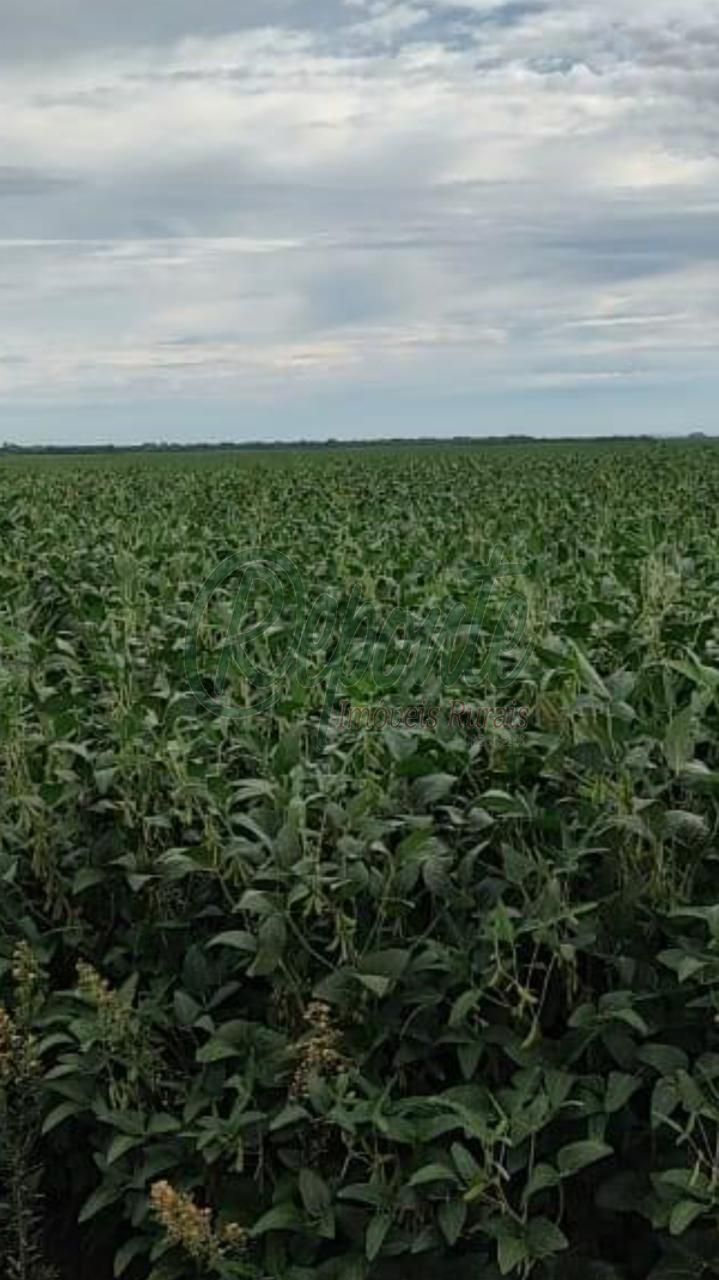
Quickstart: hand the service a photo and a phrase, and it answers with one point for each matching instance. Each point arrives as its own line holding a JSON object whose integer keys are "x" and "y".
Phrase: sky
{"x": 275, "y": 219}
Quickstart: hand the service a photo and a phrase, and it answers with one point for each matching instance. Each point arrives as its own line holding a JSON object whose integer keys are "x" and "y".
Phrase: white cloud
{"x": 421, "y": 193}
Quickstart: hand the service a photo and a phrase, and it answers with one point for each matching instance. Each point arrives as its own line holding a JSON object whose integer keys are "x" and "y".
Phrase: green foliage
{"x": 380, "y": 1002}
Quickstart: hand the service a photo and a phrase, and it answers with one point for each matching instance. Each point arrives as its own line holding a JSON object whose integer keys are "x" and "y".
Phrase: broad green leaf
{"x": 465, "y": 1163}
{"x": 678, "y": 740}
{"x": 512, "y": 1252}
{"x": 664, "y": 1058}
{"x": 100, "y": 1199}
{"x": 377, "y": 1231}
{"x": 545, "y": 1238}
{"x": 684, "y": 1214}
{"x": 433, "y": 788}
{"x": 543, "y": 1178}
{"x": 314, "y": 1192}
{"x": 127, "y": 1253}
{"x": 236, "y": 940}
{"x": 620, "y": 1088}
{"x": 120, "y": 1146}
{"x": 432, "y": 1173}
{"x": 452, "y": 1216}
{"x": 283, "y": 1217}
{"x": 272, "y": 940}
{"x": 578, "y": 1155}
{"x": 61, "y": 1113}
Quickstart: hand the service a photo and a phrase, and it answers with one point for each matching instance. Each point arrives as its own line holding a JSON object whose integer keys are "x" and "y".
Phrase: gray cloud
{"x": 37, "y": 30}
{"x": 417, "y": 194}
{"x": 19, "y": 183}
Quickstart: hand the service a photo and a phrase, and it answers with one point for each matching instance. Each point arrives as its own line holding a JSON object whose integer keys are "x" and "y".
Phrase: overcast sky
{"x": 277, "y": 218}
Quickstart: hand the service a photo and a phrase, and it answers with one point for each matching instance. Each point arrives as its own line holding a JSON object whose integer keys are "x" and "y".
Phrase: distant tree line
{"x": 253, "y": 446}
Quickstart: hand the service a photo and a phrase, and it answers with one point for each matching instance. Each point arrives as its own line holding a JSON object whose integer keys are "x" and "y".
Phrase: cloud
{"x": 403, "y": 194}
{"x": 18, "y": 182}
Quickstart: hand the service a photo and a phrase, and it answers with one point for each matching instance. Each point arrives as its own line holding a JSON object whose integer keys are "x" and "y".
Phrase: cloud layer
{"x": 319, "y": 201}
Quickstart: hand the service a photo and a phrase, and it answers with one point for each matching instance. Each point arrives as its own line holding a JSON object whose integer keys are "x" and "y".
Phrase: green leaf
{"x": 121, "y": 1144}
{"x": 257, "y": 903}
{"x": 271, "y": 946}
{"x": 187, "y": 1010}
{"x": 517, "y": 866}
{"x": 620, "y": 1088}
{"x": 162, "y": 1123}
{"x": 690, "y": 1093}
{"x": 470, "y": 1056}
{"x": 578, "y": 1155}
{"x": 325, "y": 1225}
{"x": 684, "y": 1214}
{"x": 292, "y": 1114}
{"x": 104, "y": 779}
{"x": 510, "y": 806}
{"x": 129, "y": 1251}
{"x": 378, "y": 985}
{"x": 353, "y": 1269}
{"x": 466, "y": 1165}
{"x": 61, "y": 1113}
{"x": 664, "y": 1058}
{"x": 288, "y": 752}
{"x": 314, "y": 1192}
{"x": 176, "y": 865}
{"x": 86, "y": 878}
{"x": 632, "y": 1019}
{"x": 365, "y": 1193}
{"x": 376, "y": 1235}
{"x": 591, "y": 678}
{"x": 684, "y": 826}
{"x": 665, "y": 1100}
{"x": 236, "y": 940}
{"x": 216, "y": 1050}
{"x": 543, "y": 1178}
{"x": 689, "y": 967}
{"x": 678, "y": 740}
{"x": 463, "y": 1005}
{"x": 452, "y": 1217}
{"x": 545, "y": 1238}
{"x": 100, "y": 1199}
{"x": 388, "y": 964}
{"x": 512, "y": 1253}
{"x": 479, "y": 820}
{"x": 433, "y": 788}
{"x": 432, "y": 1173}
{"x": 283, "y": 1217}
{"x": 685, "y": 966}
